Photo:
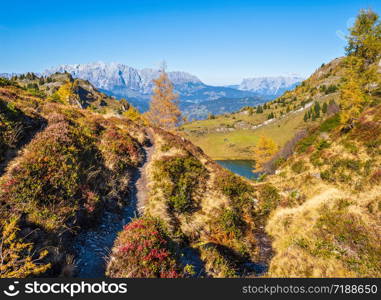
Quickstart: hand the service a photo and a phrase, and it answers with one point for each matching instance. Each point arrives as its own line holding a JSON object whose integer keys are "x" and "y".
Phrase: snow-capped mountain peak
{"x": 270, "y": 86}
{"x": 111, "y": 76}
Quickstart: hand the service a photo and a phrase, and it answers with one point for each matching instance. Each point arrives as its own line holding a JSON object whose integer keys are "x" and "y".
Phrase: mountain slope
{"x": 74, "y": 174}
{"x": 328, "y": 224}
{"x": 123, "y": 81}
{"x": 281, "y": 118}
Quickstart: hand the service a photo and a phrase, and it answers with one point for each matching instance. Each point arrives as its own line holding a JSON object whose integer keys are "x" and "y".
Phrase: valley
{"x": 285, "y": 182}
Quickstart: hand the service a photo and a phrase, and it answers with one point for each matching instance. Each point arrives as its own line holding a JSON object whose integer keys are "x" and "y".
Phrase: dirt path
{"x": 142, "y": 190}
{"x": 93, "y": 247}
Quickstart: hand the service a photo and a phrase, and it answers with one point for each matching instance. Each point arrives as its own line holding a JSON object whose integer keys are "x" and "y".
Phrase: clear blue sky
{"x": 219, "y": 41}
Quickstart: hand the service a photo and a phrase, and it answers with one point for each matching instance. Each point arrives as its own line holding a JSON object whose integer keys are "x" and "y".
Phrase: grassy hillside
{"x": 204, "y": 209}
{"x": 61, "y": 167}
{"x": 328, "y": 222}
{"x": 65, "y": 164}
{"x": 70, "y": 157}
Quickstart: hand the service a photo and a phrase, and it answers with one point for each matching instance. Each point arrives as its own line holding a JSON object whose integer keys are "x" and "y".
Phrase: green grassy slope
{"x": 233, "y": 136}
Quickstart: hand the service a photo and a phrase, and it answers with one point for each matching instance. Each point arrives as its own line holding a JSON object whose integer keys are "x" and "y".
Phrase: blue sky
{"x": 219, "y": 41}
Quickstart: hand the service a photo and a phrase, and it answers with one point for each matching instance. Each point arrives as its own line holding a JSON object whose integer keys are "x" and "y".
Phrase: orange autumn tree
{"x": 264, "y": 150}
{"x": 164, "y": 111}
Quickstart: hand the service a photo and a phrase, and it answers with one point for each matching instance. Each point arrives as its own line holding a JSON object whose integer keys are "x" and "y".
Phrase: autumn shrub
{"x": 306, "y": 142}
{"x": 143, "y": 250}
{"x": 298, "y": 167}
{"x": 328, "y": 175}
{"x": 350, "y": 164}
{"x": 281, "y": 156}
{"x": 316, "y": 159}
{"x": 269, "y": 199}
{"x": 165, "y": 148}
{"x": 341, "y": 234}
{"x": 217, "y": 264}
{"x": 373, "y": 147}
{"x": 119, "y": 149}
{"x": 52, "y": 174}
{"x": 366, "y": 131}
{"x": 13, "y": 126}
{"x": 240, "y": 193}
{"x": 185, "y": 176}
{"x": 331, "y": 89}
{"x": 329, "y": 124}
{"x": 231, "y": 222}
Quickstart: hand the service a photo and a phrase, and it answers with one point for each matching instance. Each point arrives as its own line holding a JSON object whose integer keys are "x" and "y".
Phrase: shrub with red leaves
{"x": 119, "y": 149}
{"x": 143, "y": 250}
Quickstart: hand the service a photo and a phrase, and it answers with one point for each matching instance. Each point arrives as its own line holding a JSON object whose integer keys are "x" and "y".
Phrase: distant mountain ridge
{"x": 270, "y": 86}
{"x": 136, "y": 85}
{"x": 196, "y": 98}
{"x": 121, "y": 78}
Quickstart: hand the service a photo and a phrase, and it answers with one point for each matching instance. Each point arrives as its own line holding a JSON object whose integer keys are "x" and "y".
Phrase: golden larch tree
{"x": 264, "y": 150}
{"x": 164, "y": 111}
{"x": 352, "y": 97}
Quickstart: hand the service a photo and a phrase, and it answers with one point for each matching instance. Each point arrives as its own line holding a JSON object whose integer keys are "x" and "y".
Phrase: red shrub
{"x": 142, "y": 250}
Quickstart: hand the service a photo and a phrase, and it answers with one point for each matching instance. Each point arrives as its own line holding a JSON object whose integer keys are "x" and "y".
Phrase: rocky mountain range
{"x": 197, "y": 99}
{"x": 270, "y": 86}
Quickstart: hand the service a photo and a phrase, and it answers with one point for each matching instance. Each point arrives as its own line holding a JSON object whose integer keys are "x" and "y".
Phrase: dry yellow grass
{"x": 296, "y": 234}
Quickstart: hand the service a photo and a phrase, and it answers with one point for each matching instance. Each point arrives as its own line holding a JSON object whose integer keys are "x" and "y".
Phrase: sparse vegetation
{"x": 183, "y": 176}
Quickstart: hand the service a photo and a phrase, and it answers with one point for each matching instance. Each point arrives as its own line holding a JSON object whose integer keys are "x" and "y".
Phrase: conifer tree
{"x": 324, "y": 108}
{"x": 164, "y": 111}
{"x": 317, "y": 109}
{"x": 264, "y": 151}
{"x": 352, "y": 97}
{"x": 364, "y": 39}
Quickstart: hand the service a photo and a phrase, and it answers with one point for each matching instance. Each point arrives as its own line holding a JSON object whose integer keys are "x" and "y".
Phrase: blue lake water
{"x": 241, "y": 167}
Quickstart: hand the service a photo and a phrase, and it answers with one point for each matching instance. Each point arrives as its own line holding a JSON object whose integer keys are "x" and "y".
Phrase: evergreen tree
{"x": 325, "y": 108}
{"x": 317, "y": 109}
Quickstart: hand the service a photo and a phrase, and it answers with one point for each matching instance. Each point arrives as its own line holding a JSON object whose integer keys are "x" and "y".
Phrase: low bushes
{"x": 240, "y": 193}
{"x": 13, "y": 126}
{"x": 341, "y": 240}
{"x": 143, "y": 250}
{"x": 51, "y": 175}
{"x": 119, "y": 149}
{"x": 307, "y": 142}
{"x": 231, "y": 222}
{"x": 298, "y": 167}
{"x": 329, "y": 124}
{"x": 270, "y": 199}
{"x": 185, "y": 175}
